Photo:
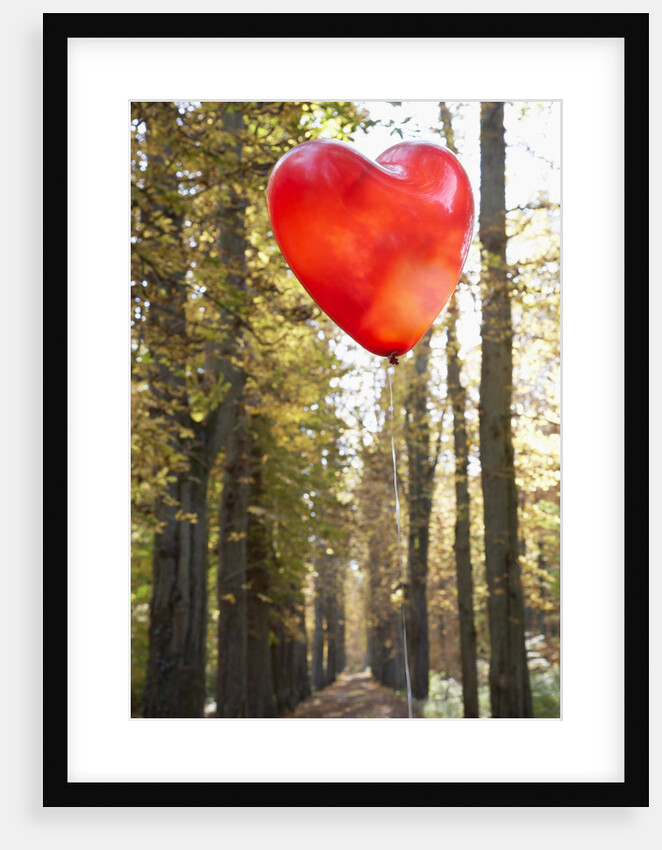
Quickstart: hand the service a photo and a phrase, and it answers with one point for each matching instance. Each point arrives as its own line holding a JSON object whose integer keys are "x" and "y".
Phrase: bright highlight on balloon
{"x": 379, "y": 246}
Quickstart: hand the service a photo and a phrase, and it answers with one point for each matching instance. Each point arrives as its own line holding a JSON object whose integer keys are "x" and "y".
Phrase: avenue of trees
{"x": 265, "y": 554}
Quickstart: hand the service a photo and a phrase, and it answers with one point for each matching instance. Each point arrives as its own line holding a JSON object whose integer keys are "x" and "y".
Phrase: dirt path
{"x": 353, "y": 695}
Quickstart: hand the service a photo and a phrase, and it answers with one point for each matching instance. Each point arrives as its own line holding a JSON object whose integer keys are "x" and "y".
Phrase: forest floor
{"x": 353, "y": 695}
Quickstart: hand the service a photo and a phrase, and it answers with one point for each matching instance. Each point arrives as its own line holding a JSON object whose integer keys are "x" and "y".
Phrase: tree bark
{"x": 509, "y": 679}
{"x": 260, "y": 694}
{"x": 297, "y": 643}
{"x": 421, "y": 475}
{"x": 541, "y": 620}
{"x": 232, "y": 563}
{"x": 331, "y": 621}
{"x": 232, "y": 693}
{"x": 289, "y": 653}
{"x": 383, "y": 615}
{"x": 317, "y": 671}
{"x": 175, "y": 681}
{"x": 341, "y": 659}
{"x": 175, "y": 685}
{"x": 462, "y": 544}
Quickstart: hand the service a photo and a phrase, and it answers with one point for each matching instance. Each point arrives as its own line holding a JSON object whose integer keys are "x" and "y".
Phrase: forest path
{"x": 353, "y": 695}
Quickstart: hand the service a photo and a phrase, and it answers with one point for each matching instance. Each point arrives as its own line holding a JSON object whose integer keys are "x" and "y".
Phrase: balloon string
{"x": 397, "y": 514}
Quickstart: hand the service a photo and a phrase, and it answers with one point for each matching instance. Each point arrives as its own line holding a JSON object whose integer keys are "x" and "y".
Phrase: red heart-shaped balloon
{"x": 379, "y": 245}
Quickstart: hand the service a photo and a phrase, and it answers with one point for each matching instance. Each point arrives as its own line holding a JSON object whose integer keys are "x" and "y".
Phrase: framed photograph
{"x": 594, "y": 66}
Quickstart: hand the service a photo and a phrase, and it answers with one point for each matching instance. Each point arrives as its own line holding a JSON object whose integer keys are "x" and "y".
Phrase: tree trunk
{"x": 542, "y": 624}
{"x": 232, "y": 694}
{"x": 383, "y": 615}
{"x": 232, "y": 563}
{"x": 175, "y": 684}
{"x": 260, "y": 694}
{"x": 373, "y": 616}
{"x": 462, "y": 523}
{"x": 175, "y": 681}
{"x": 341, "y": 658}
{"x": 317, "y": 672}
{"x": 331, "y": 620}
{"x": 421, "y": 474}
{"x": 289, "y": 653}
{"x": 509, "y": 680}
{"x": 462, "y": 546}
{"x": 298, "y": 642}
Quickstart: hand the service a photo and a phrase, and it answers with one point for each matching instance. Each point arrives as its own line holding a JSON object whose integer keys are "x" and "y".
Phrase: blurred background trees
{"x": 265, "y": 556}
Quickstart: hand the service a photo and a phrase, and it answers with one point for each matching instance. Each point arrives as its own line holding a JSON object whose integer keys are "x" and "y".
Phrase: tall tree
{"x": 233, "y": 550}
{"x": 510, "y": 691}
{"x": 317, "y": 661}
{"x": 462, "y": 543}
{"x": 422, "y": 460}
{"x": 332, "y": 619}
{"x": 232, "y": 680}
{"x": 161, "y": 261}
{"x": 259, "y": 556}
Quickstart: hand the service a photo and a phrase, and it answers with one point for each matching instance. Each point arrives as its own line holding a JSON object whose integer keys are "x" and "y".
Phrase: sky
{"x": 540, "y": 131}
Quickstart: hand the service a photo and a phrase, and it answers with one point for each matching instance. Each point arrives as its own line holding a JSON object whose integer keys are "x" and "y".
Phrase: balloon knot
{"x": 392, "y": 359}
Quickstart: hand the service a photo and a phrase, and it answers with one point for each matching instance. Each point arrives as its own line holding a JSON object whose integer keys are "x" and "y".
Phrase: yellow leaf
{"x": 236, "y": 536}
{"x": 182, "y": 516}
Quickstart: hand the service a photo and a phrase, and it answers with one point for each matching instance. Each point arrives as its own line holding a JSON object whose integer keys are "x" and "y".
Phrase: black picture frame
{"x": 58, "y": 791}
